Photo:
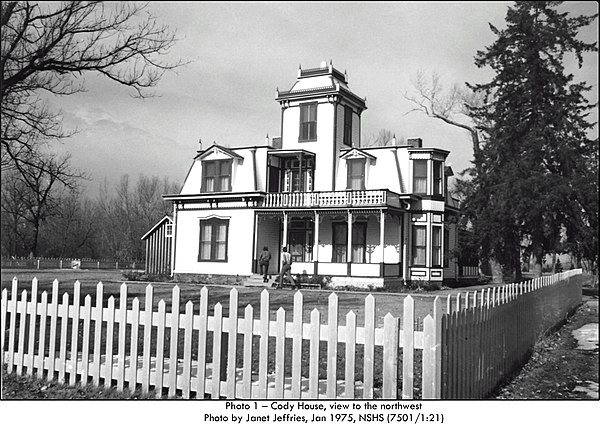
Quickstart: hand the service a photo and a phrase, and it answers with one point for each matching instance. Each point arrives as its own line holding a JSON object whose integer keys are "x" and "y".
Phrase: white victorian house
{"x": 375, "y": 216}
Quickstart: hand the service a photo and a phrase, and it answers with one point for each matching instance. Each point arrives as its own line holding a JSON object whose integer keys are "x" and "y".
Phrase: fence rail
{"x": 69, "y": 263}
{"x": 462, "y": 352}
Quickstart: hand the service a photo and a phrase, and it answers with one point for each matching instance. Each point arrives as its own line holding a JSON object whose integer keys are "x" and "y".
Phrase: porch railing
{"x": 344, "y": 198}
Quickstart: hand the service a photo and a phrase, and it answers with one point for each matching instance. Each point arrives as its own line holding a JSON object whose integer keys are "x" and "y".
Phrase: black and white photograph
{"x": 298, "y": 212}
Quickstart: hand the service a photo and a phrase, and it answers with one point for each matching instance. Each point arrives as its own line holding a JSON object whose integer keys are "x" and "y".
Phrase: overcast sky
{"x": 241, "y": 52}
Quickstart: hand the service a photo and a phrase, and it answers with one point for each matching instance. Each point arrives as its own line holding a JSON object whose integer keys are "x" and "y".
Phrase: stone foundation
{"x": 366, "y": 282}
{"x": 209, "y": 279}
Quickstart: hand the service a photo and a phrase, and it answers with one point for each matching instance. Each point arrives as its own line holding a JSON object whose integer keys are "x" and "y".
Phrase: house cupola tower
{"x": 321, "y": 115}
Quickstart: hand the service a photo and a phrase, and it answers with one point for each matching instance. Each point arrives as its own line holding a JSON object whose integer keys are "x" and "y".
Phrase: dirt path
{"x": 558, "y": 368}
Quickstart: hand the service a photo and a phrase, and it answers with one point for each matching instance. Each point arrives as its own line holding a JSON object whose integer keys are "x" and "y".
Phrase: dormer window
{"x": 216, "y": 176}
{"x": 420, "y": 176}
{"x": 358, "y": 163}
{"x": 308, "y": 122}
{"x": 356, "y": 173}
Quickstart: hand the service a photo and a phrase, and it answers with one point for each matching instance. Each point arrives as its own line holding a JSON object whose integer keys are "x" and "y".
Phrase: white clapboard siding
{"x": 480, "y": 340}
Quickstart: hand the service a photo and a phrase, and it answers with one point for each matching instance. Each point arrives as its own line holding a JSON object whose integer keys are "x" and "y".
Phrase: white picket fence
{"x": 187, "y": 369}
{"x": 481, "y": 338}
{"x": 488, "y": 335}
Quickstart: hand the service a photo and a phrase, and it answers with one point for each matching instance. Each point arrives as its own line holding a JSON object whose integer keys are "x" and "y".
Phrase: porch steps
{"x": 257, "y": 280}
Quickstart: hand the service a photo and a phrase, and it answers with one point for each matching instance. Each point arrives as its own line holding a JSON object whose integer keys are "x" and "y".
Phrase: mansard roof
{"x": 320, "y": 82}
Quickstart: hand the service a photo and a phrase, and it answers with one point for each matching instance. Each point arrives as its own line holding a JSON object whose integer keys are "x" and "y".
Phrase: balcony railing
{"x": 350, "y": 198}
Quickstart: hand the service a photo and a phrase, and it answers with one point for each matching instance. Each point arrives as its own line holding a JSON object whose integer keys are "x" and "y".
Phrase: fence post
{"x": 390, "y": 356}
{"x": 408, "y": 347}
{"x": 432, "y": 353}
{"x": 38, "y": 264}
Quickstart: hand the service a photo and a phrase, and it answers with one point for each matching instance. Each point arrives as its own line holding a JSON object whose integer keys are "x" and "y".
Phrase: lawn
{"x": 112, "y": 280}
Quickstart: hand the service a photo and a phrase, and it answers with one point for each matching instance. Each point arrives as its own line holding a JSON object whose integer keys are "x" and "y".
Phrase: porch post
{"x": 349, "y": 243}
{"x": 405, "y": 243}
{"x": 173, "y": 238}
{"x": 285, "y": 230}
{"x": 255, "y": 244}
{"x": 316, "y": 242}
{"x": 381, "y": 239}
{"x": 300, "y": 177}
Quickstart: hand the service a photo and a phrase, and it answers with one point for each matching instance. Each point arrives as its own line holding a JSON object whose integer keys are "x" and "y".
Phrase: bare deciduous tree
{"x": 383, "y": 138}
{"x": 71, "y": 232}
{"x": 41, "y": 180}
{"x": 127, "y": 212}
{"x": 13, "y": 209}
{"x": 47, "y": 47}
{"x": 447, "y": 104}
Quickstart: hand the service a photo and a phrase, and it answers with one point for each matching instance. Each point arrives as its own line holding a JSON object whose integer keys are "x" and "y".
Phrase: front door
{"x": 300, "y": 240}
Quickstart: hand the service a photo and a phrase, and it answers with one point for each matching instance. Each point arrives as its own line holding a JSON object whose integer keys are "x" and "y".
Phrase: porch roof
{"x": 290, "y": 152}
{"x": 309, "y": 212}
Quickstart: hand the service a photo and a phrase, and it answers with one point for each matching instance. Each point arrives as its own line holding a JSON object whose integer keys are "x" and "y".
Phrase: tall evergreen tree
{"x": 530, "y": 187}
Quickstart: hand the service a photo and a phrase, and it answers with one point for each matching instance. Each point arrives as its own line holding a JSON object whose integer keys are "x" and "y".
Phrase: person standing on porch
{"x": 286, "y": 267}
{"x": 263, "y": 260}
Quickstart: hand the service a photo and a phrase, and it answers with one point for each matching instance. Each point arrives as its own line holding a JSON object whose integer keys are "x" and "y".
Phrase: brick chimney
{"x": 415, "y": 142}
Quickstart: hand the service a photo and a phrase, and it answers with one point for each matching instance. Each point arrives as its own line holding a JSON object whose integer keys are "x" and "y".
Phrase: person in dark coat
{"x": 263, "y": 260}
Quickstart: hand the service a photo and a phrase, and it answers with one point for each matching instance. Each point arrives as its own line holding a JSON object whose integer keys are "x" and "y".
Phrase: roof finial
{"x": 199, "y": 145}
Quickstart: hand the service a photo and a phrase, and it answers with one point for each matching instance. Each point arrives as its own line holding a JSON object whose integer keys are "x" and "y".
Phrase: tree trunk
{"x": 517, "y": 266}
{"x": 36, "y": 237}
{"x": 497, "y": 273}
{"x": 538, "y": 257}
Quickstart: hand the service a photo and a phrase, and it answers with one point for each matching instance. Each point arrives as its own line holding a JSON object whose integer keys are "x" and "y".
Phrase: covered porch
{"x": 363, "y": 243}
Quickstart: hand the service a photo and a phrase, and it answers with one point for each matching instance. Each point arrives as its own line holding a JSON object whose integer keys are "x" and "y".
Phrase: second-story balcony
{"x": 329, "y": 199}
